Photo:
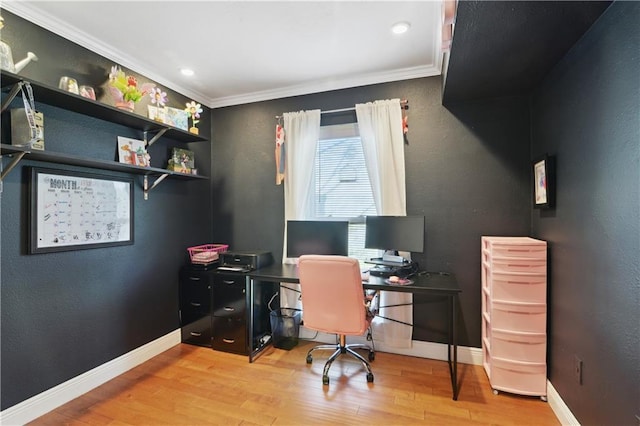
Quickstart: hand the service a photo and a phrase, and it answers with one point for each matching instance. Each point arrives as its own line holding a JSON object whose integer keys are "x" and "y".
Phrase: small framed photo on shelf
{"x": 133, "y": 151}
{"x": 177, "y": 118}
{"x": 157, "y": 114}
{"x": 182, "y": 161}
{"x": 543, "y": 182}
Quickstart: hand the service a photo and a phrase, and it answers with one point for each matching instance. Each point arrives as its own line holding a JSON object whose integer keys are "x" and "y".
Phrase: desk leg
{"x": 453, "y": 341}
{"x": 249, "y": 303}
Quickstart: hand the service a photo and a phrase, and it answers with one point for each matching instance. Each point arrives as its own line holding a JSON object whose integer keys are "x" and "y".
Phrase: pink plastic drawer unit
{"x": 514, "y": 314}
{"x": 519, "y": 377}
{"x": 522, "y": 317}
{"x": 520, "y": 287}
{"x": 526, "y": 347}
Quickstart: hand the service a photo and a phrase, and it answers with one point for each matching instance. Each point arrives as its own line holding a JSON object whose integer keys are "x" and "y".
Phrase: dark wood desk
{"x": 438, "y": 284}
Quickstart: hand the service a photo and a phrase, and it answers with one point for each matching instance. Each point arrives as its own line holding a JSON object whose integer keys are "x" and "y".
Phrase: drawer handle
{"x": 195, "y": 304}
{"x": 229, "y": 282}
{"x": 194, "y": 278}
{"x": 229, "y": 309}
{"x": 228, "y": 340}
{"x": 194, "y": 334}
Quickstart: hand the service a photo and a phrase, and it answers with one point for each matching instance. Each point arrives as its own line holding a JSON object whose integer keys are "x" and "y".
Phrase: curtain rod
{"x": 404, "y": 104}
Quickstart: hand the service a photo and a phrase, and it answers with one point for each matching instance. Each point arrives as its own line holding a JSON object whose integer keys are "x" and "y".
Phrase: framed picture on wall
{"x": 75, "y": 210}
{"x": 543, "y": 182}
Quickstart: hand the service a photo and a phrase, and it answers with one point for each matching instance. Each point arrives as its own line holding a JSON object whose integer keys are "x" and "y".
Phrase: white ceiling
{"x": 247, "y": 51}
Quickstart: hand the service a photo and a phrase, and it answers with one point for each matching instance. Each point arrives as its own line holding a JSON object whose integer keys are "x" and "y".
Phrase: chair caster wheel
{"x": 325, "y": 380}
{"x": 372, "y": 355}
{"x": 309, "y": 359}
{"x": 369, "y": 377}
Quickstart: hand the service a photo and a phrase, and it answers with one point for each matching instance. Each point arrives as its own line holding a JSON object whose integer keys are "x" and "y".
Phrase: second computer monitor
{"x": 395, "y": 233}
{"x": 317, "y": 237}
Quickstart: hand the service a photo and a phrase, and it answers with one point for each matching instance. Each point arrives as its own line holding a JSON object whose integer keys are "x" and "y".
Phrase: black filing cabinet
{"x": 229, "y": 313}
{"x": 195, "y": 306}
{"x": 221, "y": 310}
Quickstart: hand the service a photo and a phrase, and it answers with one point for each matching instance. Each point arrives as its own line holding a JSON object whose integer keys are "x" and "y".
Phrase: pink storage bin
{"x": 521, "y": 287}
{"x": 526, "y": 347}
{"x": 518, "y": 264}
{"x": 519, "y": 377}
{"x": 515, "y": 247}
{"x": 524, "y": 317}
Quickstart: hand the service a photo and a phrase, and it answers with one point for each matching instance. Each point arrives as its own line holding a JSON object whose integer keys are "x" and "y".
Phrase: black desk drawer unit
{"x": 230, "y": 313}
{"x": 195, "y": 306}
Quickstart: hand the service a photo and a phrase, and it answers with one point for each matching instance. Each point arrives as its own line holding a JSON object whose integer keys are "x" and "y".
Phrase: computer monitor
{"x": 393, "y": 234}
{"x": 317, "y": 237}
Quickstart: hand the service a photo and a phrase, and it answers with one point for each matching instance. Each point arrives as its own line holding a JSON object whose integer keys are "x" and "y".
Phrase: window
{"x": 342, "y": 189}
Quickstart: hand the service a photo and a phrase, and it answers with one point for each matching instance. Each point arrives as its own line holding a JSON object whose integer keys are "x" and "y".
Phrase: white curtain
{"x": 380, "y": 125}
{"x": 302, "y": 132}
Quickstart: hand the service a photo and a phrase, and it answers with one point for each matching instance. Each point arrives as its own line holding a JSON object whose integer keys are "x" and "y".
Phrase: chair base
{"x": 339, "y": 349}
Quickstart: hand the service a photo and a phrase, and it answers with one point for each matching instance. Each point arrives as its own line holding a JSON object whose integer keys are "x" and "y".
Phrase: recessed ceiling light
{"x": 400, "y": 27}
{"x": 186, "y": 71}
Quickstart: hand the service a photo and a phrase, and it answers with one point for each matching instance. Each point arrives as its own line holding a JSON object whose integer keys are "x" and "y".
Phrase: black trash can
{"x": 285, "y": 326}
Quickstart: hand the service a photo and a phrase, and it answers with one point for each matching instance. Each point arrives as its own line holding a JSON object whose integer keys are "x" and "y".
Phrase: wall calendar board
{"x": 76, "y": 210}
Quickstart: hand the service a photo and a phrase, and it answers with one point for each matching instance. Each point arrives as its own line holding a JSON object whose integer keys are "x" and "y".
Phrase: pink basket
{"x": 206, "y": 253}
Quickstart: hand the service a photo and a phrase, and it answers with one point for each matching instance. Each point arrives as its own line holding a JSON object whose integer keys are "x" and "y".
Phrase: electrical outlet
{"x": 577, "y": 369}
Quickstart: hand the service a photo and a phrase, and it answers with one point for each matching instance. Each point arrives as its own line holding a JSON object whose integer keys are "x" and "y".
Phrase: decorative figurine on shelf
{"x": 6, "y": 58}
{"x": 159, "y": 98}
{"x": 194, "y": 110}
{"x": 124, "y": 89}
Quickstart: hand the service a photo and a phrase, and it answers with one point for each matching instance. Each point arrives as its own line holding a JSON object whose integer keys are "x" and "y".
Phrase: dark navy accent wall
{"x": 63, "y": 314}
{"x": 466, "y": 166}
{"x": 587, "y": 114}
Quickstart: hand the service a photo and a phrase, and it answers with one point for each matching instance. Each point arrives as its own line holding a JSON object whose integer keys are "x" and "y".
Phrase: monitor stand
{"x": 385, "y": 268}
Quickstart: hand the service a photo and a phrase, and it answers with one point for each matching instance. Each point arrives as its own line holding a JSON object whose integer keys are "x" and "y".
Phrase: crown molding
{"x": 327, "y": 85}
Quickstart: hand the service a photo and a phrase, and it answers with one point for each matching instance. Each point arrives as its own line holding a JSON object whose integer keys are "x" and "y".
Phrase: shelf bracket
{"x": 155, "y": 137}
{"x": 14, "y": 162}
{"x": 12, "y": 94}
{"x": 145, "y": 185}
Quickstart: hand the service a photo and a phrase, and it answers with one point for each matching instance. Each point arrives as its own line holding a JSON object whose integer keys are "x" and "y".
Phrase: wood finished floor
{"x": 190, "y": 385}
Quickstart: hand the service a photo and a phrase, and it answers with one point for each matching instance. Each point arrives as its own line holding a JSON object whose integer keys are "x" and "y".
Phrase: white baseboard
{"x": 560, "y": 409}
{"x": 50, "y": 399}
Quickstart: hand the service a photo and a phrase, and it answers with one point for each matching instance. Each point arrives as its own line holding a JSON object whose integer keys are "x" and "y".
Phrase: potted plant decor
{"x": 124, "y": 89}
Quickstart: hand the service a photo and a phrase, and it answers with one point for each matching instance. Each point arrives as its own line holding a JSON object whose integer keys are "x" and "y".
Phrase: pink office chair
{"x": 333, "y": 302}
